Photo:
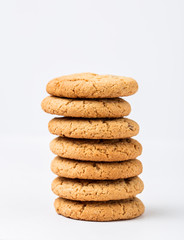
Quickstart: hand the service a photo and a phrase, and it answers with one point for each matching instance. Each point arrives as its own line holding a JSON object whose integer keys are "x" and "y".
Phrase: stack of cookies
{"x": 96, "y": 155}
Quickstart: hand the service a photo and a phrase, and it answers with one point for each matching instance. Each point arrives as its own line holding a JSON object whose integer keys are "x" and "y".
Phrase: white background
{"x": 40, "y": 40}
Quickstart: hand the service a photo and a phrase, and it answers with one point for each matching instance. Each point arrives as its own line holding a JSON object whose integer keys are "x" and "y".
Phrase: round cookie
{"x": 96, "y": 150}
{"x": 97, "y": 190}
{"x": 94, "y": 128}
{"x": 70, "y": 168}
{"x": 90, "y": 85}
{"x": 90, "y": 108}
{"x": 100, "y": 211}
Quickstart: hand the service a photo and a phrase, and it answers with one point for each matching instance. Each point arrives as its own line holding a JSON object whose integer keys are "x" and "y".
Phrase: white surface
{"x": 44, "y": 39}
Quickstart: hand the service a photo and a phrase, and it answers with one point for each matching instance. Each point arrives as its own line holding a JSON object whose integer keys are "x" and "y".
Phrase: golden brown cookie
{"x": 94, "y": 128}
{"x": 97, "y": 190}
{"x": 70, "y": 168}
{"x": 90, "y": 85}
{"x": 96, "y": 150}
{"x": 100, "y": 211}
{"x": 90, "y": 108}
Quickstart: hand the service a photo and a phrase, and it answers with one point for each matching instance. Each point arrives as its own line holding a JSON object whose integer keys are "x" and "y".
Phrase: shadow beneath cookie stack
{"x": 96, "y": 160}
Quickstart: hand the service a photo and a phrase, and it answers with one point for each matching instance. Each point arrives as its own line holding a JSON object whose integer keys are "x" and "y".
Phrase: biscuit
{"x": 97, "y": 190}
{"x": 70, "y": 168}
{"x": 90, "y": 85}
{"x": 96, "y": 150}
{"x": 100, "y": 211}
{"x": 90, "y": 108}
{"x": 94, "y": 128}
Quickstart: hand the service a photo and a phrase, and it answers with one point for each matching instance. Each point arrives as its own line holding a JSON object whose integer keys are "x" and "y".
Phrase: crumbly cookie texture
{"x": 97, "y": 190}
{"x": 90, "y": 85}
{"x": 100, "y": 211}
{"x": 94, "y": 128}
{"x": 86, "y": 108}
{"x": 96, "y": 150}
{"x": 70, "y": 168}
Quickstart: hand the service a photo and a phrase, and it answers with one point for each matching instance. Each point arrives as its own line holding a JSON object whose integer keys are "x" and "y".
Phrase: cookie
{"x": 97, "y": 190}
{"x": 70, "y": 168}
{"x": 96, "y": 150}
{"x": 90, "y": 85}
{"x": 98, "y": 108}
{"x": 100, "y": 211}
{"x": 94, "y": 128}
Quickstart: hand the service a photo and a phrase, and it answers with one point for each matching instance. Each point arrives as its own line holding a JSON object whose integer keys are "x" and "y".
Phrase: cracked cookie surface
{"x": 100, "y": 211}
{"x": 86, "y": 108}
{"x": 97, "y": 190}
{"x": 70, "y": 168}
{"x": 90, "y": 85}
{"x": 96, "y": 150}
{"x": 93, "y": 128}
